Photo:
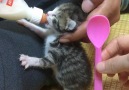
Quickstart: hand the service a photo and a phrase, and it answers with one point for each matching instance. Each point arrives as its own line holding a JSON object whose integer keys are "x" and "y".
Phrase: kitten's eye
{"x": 54, "y": 21}
{"x": 54, "y": 15}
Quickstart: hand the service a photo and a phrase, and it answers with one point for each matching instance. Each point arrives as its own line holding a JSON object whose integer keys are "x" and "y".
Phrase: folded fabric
{"x": 124, "y": 4}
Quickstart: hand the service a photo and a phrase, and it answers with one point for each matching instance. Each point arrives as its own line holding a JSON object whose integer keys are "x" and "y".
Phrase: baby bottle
{"x": 18, "y": 9}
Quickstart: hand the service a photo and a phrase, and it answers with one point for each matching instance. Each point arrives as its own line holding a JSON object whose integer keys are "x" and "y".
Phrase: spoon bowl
{"x": 98, "y": 29}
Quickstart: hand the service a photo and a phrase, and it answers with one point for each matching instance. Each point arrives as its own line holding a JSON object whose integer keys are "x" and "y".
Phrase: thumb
{"x": 114, "y": 65}
{"x": 87, "y": 6}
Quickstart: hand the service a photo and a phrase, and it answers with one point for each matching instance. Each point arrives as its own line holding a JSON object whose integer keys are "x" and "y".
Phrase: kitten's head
{"x": 66, "y": 17}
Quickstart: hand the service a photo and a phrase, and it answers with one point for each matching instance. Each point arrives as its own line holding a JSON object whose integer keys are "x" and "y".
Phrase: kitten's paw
{"x": 24, "y": 60}
{"x": 28, "y": 61}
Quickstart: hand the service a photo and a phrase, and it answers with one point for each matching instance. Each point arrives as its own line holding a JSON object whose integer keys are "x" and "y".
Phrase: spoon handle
{"x": 97, "y": 76}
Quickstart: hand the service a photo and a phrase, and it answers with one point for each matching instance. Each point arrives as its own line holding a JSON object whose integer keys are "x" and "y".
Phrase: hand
{"x": 116, "y": 59}
{"x": 109, "y": 8}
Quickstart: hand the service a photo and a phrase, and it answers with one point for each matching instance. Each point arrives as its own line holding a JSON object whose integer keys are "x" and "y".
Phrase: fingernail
{"x": 101, "y": 67}
{"x": 64, "y": 40}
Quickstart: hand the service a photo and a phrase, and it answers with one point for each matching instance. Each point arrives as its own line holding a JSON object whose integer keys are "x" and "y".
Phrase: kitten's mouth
{"x": 47, "y": 24}
{"x": 47, "y": 19}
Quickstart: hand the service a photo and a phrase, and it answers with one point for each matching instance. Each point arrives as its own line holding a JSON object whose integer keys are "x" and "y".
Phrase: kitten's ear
{"x": 71, "y": 25}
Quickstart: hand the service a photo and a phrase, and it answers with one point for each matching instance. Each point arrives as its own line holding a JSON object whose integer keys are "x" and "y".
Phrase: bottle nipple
{"x": 44, "y": 18}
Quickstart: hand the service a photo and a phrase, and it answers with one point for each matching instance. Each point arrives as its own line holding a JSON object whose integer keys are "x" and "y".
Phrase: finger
{"x": 89, "y": 5}
{"x": 97, "y": 2}
{"x": 114, "y": 65}
{"x": 111, "y": 50}
{"x": 127, "y": 84}
{"x": 103, "y": 9}
{"x": 77, "y": 35}
{"x": 116, "y": 46}
{"x": 123, "y": 77}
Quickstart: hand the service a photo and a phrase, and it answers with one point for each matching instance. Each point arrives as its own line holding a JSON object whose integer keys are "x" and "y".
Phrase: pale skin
{"x": 115, "y": 58}
{"x": 109, "y": 8}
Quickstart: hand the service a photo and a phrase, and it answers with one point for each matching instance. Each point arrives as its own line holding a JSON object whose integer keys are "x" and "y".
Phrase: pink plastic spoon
{"x": 98, "y": 29}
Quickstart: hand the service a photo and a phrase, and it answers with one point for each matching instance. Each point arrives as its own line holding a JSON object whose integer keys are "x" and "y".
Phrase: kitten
{"x": 68, "y": 60}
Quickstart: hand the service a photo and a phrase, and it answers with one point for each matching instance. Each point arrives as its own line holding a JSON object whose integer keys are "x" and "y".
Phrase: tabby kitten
{"x": 68, "y": 60}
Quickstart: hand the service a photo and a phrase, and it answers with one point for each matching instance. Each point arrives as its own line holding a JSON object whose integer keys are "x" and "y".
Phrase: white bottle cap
{"x": 35, "y": 15}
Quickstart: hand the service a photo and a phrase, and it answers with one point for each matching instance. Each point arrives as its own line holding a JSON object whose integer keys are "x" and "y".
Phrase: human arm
{"x": 109, "y": 8}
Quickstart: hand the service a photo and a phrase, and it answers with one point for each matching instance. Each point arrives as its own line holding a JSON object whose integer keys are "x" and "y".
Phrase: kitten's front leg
{"x": 28, "y": 61}
{"x": 35, "y": 28}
